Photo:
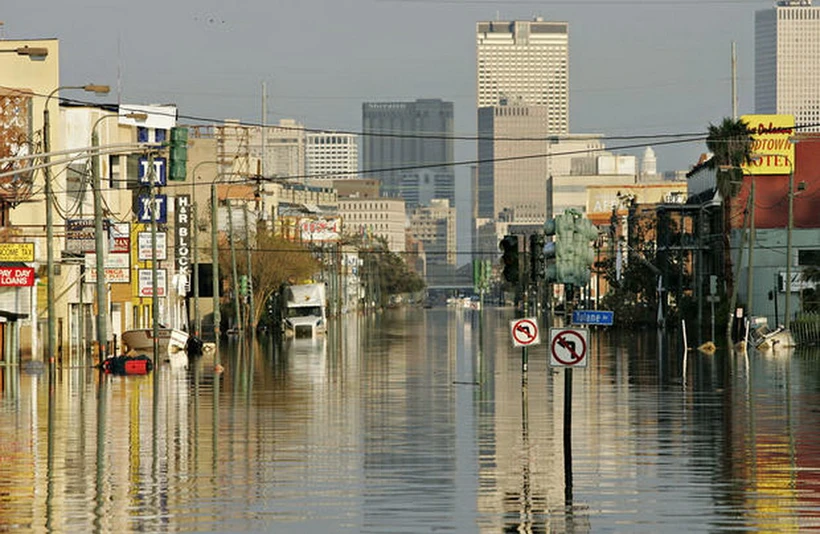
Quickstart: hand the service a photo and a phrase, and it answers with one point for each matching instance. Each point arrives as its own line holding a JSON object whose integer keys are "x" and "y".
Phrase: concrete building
{"x": 26, "y": 79}
{"x": 375, "y": 217}
{"x": 787, "y": 62}
{"x": 331, "y": 155}
{"x": 525, "y": 63}
{"x": 435, "y": 227}
{"x": 398, "y": 135}
{"x": 516, "y": 158}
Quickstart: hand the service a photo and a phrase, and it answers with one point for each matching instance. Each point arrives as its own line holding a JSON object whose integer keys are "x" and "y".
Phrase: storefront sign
{"x": 772, "y": 146}
{"x": 117, "y": 268}
{"x": 145, "y": 278}
{"x": 16, "y": 276}
{"x": 144, "y": 246}
{"x": 16, "y": 252}
{"x": 182, "y": 229}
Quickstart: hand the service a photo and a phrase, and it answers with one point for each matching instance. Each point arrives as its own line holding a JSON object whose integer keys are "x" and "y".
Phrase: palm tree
{"x": 730, "y": 143}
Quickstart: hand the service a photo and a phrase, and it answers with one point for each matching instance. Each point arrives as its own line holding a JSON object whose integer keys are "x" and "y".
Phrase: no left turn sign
{"x": 568, "y": 347}
{"x": 525, "y": 332}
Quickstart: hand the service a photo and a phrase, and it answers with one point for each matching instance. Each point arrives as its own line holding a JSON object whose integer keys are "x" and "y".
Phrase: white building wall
{"x": 331, "y": 155}
{"x": 369, "y": 217}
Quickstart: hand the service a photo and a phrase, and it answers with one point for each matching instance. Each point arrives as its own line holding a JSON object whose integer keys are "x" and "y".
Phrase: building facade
{"x": 375, "y": 217}
{"x": 399, "y": 136}
{"x": 787, "y": 62}
{"x": 435, "y": 227}
{"x": 331, "y": 155}
{"x": 525, "y": 63}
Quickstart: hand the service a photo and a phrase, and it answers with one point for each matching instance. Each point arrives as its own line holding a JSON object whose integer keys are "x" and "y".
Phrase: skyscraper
{"x": 401, "y": 135}
{"x": 525, "y": 63}
{"x": 787, "y": 61}
{"x": 522, "y": 74}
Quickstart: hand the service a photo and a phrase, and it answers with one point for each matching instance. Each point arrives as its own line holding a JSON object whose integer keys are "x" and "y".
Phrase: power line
{"x": 405, "y": 135}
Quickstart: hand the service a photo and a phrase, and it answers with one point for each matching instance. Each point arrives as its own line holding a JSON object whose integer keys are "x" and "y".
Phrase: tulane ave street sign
{"x": 593, "y": 317}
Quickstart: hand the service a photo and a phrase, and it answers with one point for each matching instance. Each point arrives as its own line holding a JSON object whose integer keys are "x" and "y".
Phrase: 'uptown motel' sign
{"x": 772, "y": 147}
{"x": 16, "y": 276}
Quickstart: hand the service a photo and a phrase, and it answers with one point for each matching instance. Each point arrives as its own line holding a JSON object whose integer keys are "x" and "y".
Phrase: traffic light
{"x": 243, "y": 285}
{"x": 178, "y": 153}
{"x": 571, "y": 250}
{"x": 537, "y": 257}
{"x": 510, "y": 258}
{"x": 482, "y": 274}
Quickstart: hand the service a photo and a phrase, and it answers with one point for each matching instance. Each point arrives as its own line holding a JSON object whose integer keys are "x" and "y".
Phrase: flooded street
{"x": 418, "y": 421}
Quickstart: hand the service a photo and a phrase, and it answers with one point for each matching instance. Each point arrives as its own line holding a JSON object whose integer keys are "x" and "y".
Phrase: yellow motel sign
{"x": 772, "y": 147}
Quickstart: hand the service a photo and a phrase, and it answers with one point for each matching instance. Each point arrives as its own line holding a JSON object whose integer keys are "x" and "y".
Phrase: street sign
{"x": 593, "y": 317}
{"x": 525, "y": 332}
{"x": 569, "y": 347}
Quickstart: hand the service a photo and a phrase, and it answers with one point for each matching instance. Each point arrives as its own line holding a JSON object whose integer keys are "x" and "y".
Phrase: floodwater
{"x": 419, "y": 421}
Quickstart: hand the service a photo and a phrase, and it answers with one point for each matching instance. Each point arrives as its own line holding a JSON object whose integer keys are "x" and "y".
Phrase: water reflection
{"x": 417, "y": 420}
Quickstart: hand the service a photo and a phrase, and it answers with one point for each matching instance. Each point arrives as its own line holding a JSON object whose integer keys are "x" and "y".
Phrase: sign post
{"x": 568, "y": 348}
{"x": 525, "y": 333}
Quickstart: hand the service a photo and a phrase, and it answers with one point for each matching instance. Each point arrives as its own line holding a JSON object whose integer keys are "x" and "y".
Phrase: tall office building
{"x": 400, "y": 135}
{"x": 522, "y": 74}
{"x": 331, "y": 155}
{"x": 525, "y": 63}
{"x": 787, "y": 61}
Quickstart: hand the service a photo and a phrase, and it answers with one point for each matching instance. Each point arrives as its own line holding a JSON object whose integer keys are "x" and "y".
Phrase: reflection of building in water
{"x": 410, "y": 434}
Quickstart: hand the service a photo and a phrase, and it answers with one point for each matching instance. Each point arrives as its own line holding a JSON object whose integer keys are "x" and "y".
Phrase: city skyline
{"x": 654, "y": 68}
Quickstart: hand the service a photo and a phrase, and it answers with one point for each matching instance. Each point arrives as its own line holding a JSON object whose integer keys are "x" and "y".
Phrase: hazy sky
{"x": 636, "y": 67}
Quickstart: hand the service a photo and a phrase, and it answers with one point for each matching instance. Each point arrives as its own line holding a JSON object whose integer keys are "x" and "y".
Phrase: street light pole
{"x": 787, "y": 314}
{"x": 99, "y": 248}
{"x": 52, "y": 334}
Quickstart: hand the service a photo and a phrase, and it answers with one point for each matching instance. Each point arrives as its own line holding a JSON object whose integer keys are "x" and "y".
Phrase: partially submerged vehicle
{"x": 763, "y": 338}
{"x": 304, "y": 315}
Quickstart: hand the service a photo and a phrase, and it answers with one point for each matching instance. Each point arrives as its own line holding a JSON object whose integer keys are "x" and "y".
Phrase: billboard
{"x": 319, "y": 229}
{"x": 772, "y": 149}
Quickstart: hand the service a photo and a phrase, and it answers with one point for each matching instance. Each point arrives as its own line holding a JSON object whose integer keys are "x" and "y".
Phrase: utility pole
{"x": 215, "y": 268}
{"x": 750, "y": 270}
{"x": 734, "y": 81}
{"x": 251, "y": 308}
{"x": 238, "y": 312}
{"x": 733, "y": 298}
{"x": 50, "y": 298}
{"x": 197, "y": 320}
{"x": 154, "y": 273}
{"x": 102, "y": 315}
{"x": 787, "y": 313}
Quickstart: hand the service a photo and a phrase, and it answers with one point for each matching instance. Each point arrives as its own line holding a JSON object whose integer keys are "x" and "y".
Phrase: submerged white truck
{"x": 305, "y": 311}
